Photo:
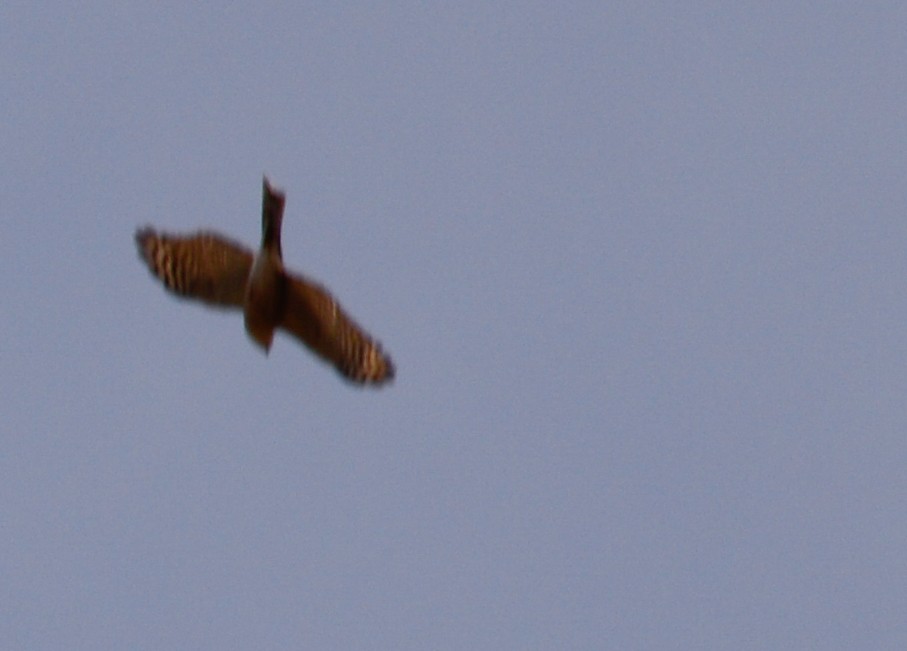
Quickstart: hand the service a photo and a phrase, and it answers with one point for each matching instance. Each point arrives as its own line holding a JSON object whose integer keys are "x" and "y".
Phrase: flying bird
{"x": 208, "y": 267}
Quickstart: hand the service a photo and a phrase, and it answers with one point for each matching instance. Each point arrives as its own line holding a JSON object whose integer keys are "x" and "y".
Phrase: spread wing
{"x": 204, "y": 266}
{"x": 313, "y": 316}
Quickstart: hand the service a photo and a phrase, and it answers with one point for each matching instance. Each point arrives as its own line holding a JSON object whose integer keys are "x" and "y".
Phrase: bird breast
{"x": 265, "y": 298}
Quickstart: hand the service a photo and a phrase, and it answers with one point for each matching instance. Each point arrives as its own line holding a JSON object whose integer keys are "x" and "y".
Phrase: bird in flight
{"x": 208, "y": 267}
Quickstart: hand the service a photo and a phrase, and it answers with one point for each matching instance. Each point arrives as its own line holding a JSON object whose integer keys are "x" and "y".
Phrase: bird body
{"x": 219, "y": 272}
{"x": 265, "y": 299}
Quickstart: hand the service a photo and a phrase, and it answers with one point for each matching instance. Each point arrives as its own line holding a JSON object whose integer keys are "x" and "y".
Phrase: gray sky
{"x": 641, "y": 269}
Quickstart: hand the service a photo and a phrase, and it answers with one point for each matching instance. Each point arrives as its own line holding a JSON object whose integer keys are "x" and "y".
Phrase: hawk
{"x": 208, "y": 267}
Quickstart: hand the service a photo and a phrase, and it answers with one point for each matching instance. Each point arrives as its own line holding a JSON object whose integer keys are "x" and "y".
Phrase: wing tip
{"x": 377, "y": 371}
{"x": 145, "y": 240}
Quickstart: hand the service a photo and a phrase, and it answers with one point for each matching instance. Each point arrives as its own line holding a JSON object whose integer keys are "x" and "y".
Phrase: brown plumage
{"x": 222, "y": 273}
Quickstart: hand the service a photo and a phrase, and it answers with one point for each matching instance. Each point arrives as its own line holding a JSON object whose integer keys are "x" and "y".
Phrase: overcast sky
{"x": 640, "y": 267}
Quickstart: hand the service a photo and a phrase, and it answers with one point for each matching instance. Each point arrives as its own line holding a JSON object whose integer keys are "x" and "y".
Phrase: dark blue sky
{"x": 641, "y": 269}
